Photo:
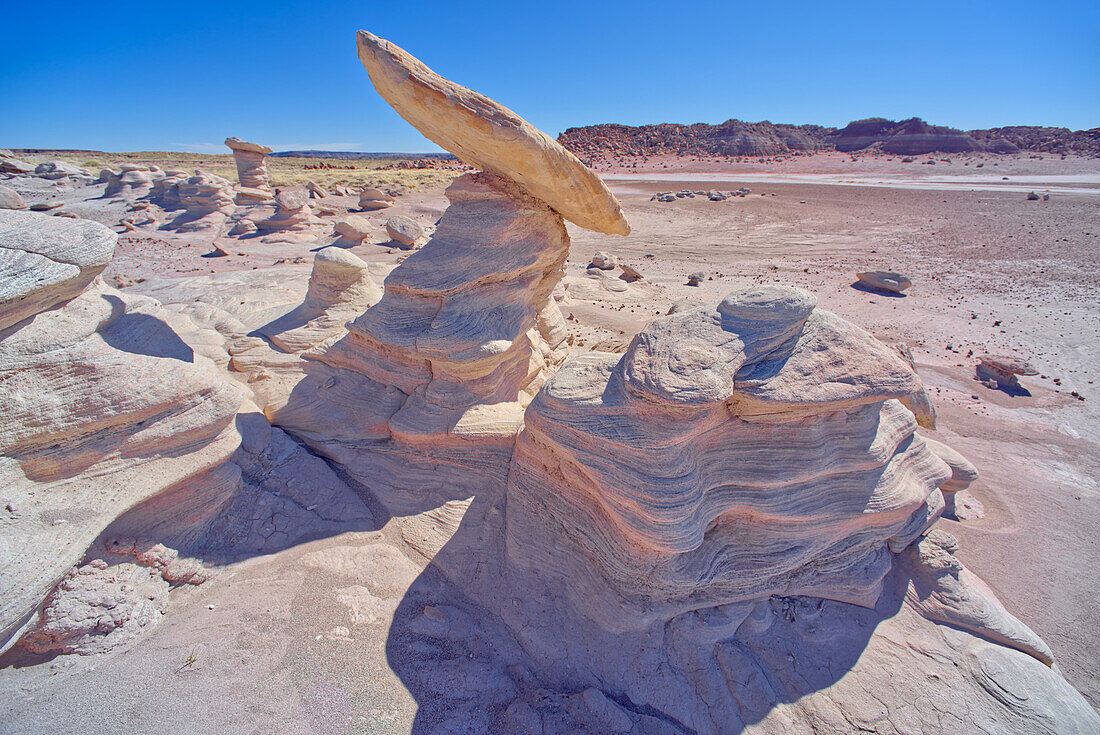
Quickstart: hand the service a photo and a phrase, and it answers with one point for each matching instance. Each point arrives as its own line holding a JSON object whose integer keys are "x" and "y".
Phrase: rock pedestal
{"x": 446, "y": 361}
{"x": 249, "y": 157}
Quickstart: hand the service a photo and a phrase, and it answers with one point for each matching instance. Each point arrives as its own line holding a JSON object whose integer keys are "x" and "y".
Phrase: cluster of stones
{"x": 712, "y": 194}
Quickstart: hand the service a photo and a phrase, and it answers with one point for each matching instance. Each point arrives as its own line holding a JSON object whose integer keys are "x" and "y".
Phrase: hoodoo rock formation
{"x": 439, "y": 371}
{"x": 251, "y": 169}
{"x": 462, "y": 338}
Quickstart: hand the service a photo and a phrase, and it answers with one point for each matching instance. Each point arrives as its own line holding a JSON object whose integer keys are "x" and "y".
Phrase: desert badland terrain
{"x": 524, "y": 445}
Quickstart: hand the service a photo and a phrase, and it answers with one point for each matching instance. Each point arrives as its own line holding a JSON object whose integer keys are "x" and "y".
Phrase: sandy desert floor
{"x": 274, "y": 638}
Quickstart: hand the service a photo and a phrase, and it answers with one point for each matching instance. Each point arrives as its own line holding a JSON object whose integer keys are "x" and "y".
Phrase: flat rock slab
{"x": 488, "y": 135}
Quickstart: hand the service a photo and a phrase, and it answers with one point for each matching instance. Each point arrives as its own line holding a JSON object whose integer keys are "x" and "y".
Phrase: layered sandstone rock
{"x": 292, "y": 212}
{"x": 353, "y": 229}
{"x": 249, "y": 157}
{"x": 449, "y": 357}
{"x": 46, "y": 261}
{"x": 132, "y": 180}
{"x": 372, "y": 199}
{"x": 340, "y": 289}
{"x": 731, "y": 454}
{"x": 488, "y": 135}
{"x": 208, "y": 201}
{"x": 112, "y": 409}
{"x": 166, "y": 189}
{"x": 60, "y": 170}
{"x": 11, "y": 199}
{"x": 9, "y": 164}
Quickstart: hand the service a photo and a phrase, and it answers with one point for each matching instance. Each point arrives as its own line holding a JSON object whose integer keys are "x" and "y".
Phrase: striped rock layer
{"x": 461, "y": 340}
{"x": 734, "y": 453}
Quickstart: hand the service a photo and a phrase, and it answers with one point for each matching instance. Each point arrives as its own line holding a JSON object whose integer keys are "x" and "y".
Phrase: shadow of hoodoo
{"x": 726, "y": 528}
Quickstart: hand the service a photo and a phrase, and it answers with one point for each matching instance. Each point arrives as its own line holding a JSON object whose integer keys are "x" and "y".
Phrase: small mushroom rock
{"x": 604, "y": 261}
{"x": 696, "y": 278}
{"x": 372, "y": 199}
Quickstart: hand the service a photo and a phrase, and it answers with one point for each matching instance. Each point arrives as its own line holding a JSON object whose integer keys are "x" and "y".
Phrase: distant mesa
{"x": 735, "y": 138}
{"x": 909, "y": 137}
{"x": 731, "y": 138}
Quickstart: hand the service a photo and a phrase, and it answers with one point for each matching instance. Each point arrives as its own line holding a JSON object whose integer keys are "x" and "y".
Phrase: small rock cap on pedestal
{"x": 237, "y": 144}
{"x": 767, "y": 305}
{"x": 488, "y": 135}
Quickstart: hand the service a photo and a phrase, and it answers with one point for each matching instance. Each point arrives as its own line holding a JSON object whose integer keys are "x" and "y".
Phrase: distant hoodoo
{"x": 251, "y": 169}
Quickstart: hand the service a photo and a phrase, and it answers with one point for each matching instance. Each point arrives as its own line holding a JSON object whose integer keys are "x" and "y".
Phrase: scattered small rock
{"x": 889, "y": 281}
{"x": 403, "y": 230}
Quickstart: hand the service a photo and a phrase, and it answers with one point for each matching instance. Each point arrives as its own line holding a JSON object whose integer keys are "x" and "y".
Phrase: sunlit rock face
{"x": 732, "y": 453}
{"x": 463, "y": 337}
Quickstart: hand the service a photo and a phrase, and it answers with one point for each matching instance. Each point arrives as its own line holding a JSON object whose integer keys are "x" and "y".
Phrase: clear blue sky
{"x": 184, "y": 75}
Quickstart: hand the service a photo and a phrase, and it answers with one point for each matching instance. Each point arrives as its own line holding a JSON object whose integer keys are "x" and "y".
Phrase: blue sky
{"x": 185, "y": 75}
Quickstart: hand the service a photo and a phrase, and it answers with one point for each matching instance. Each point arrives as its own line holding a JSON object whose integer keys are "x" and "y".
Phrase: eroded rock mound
{"x": 732, "y": 453}
{"x": 112, "y": 408}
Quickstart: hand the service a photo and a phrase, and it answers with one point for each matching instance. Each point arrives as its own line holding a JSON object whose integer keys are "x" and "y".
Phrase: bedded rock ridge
{"x": 47, "y": 261}
{"x": 732, "y": 453}
{"x": 462, "y": 338}
{"x": 765, "y": 139}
